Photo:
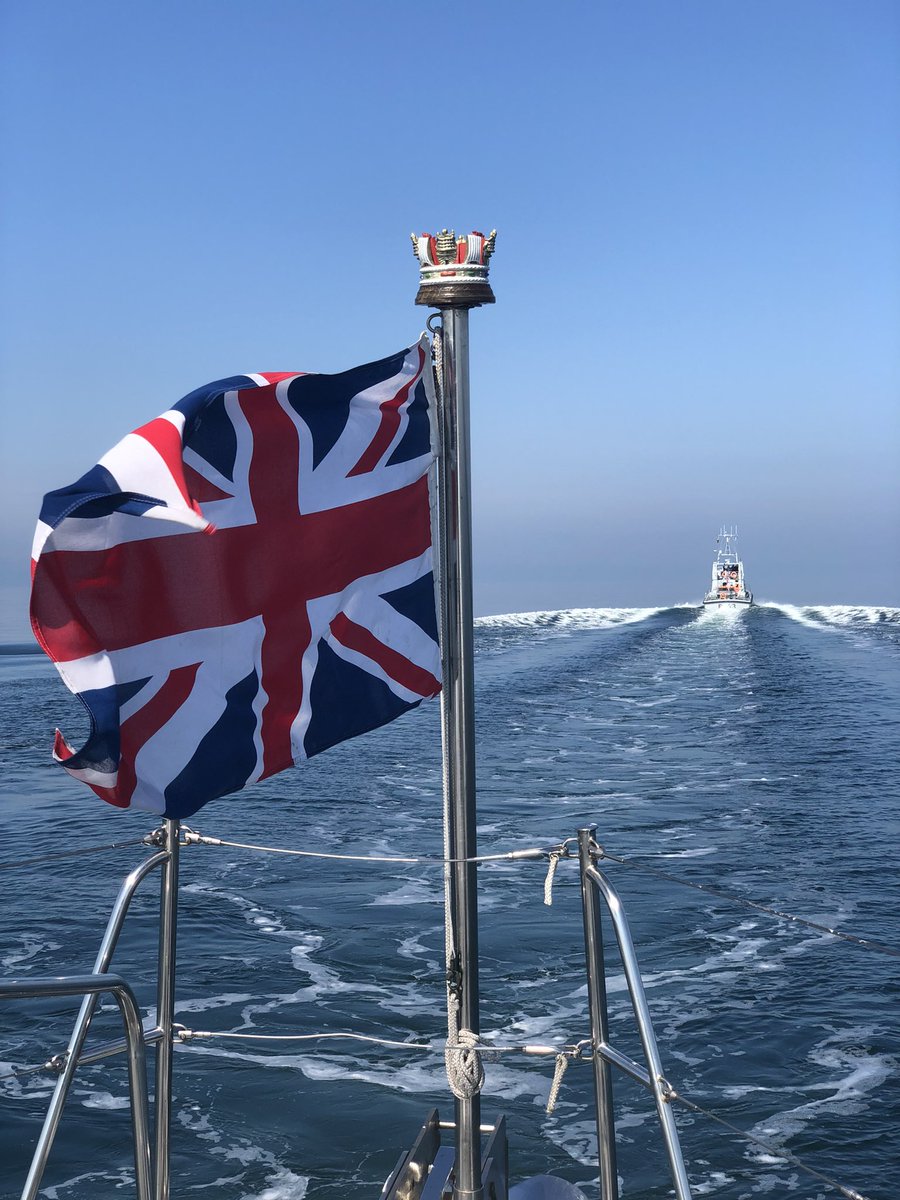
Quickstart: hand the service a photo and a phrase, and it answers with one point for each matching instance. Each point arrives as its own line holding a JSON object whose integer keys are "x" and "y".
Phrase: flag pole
{"x": 165, "y": 1005}
{"x": 453, "y": 278}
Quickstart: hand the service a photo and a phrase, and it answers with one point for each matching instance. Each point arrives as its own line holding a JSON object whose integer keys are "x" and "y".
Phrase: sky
{"x": 697, "y": 269}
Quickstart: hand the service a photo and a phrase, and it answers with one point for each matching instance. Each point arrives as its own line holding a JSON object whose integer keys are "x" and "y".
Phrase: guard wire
{"x": 529, "y": 1048}
{"x": 564, "y": 1056}
{"x": 193, "y": 838}
{"x": 190, "y": 1035}
{"x": 866, "y": 943}
{"x": 775, "y": 1151}
{"x": 19, "y": 1072}
{"x": 46, "y": 858}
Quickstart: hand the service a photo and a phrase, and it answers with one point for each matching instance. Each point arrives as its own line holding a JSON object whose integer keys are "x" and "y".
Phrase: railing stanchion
{"x": 82, "y": 1024}
{"x": 596, "y": 974}
{"x": 94, "y": 985}
{"x": 165, "y": 1005}
{"x": 641, "y": 1009}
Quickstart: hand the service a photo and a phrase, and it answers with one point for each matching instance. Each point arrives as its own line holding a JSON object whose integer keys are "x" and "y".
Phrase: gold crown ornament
{"x": 453, "y": 272}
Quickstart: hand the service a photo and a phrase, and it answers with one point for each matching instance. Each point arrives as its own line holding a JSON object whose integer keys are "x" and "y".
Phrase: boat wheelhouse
{"x": 727, "y": 586}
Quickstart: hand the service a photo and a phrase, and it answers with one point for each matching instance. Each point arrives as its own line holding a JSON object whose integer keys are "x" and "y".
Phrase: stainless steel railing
{"x": 595, "y": 887}
{"x": 598, "y": 895}
{"x": 136, "y": 1037}
{"x": 91, "y": 986}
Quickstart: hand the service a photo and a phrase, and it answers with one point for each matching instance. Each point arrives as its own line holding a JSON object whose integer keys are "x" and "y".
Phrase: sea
{"x": 754, "y": 753}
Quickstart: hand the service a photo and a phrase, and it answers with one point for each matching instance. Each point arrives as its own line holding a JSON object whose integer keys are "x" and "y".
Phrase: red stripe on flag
{"x": 277, "y": 376}
{"x": 398, "y": 666}
{"x": 61, "y": 748}
{"x": 166, "y": 441}
{"x": 273, "y": 477}
{"x": 85, "y": 601}
{"x": 140, "y": 728}
{"x": 390, "y": 423}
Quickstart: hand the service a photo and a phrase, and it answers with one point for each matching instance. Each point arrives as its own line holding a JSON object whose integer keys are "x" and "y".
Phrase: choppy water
{"x": 755, "y": 752}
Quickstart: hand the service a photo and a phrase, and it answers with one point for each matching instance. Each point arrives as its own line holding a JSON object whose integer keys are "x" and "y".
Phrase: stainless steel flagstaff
{"x": 165, "y": 1005}
{"x": 454, "y": 279}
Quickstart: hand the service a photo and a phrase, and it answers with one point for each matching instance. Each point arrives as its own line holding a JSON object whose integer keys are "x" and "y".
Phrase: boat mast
{"x": 453, "y": 278}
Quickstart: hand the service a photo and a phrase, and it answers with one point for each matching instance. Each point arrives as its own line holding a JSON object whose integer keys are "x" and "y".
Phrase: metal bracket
{"x": 455, "y": 977}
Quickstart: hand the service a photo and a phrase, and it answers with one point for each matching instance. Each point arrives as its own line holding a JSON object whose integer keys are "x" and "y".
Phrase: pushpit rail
{"x": 152, "y": 1164}
{"x": 597, "y": 1047}
{"x": 594, "y": 888}
{"x": 149, "y": 1185}
{"x": 92, "y": 986}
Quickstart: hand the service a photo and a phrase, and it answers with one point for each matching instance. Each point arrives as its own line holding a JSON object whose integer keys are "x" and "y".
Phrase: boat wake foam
{"x": 837, "y": 616}
{"x": 855, "y": 1072}
{"x": 724, "y": 612}
{"x": 574, "y": 618}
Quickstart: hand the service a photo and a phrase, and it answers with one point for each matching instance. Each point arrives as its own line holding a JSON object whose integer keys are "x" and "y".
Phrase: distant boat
{"x": 728, "y": 588}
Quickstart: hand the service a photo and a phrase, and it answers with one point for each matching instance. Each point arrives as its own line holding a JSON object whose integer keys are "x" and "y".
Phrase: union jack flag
{"x": 244, "y": 581}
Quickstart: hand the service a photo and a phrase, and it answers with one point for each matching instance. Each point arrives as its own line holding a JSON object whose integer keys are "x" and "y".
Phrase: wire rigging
{"x": 193, "y": 838}
{"x": 564, "y": 1056}
{"x": 46, "y": 858}
{"x": 866, "y": 943}
{"x": 20, "y": 1072}
{"x": 461, "y": 1045}
{"x": 775, "y": 1151}
{"x": 552, "y": 854}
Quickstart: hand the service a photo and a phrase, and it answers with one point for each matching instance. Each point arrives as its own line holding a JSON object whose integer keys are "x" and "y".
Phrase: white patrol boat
{"x": 727, "y": 587}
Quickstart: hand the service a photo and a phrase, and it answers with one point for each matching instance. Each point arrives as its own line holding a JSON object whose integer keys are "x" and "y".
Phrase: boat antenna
{"x": 454, "y": 279}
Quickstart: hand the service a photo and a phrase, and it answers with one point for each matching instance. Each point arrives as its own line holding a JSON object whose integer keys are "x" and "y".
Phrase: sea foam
{"x": 569, "y": 618}
{"x": 837, "y": 616}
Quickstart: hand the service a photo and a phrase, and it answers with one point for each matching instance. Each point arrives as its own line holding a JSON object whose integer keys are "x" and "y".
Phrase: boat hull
{"x": 728, "y": 603}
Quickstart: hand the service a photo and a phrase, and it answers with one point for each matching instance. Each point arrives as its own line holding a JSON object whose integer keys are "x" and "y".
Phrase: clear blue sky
{"x": 697, "y": 270}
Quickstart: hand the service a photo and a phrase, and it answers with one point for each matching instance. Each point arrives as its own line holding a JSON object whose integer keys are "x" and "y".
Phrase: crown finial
{"x": 453, "y": 272}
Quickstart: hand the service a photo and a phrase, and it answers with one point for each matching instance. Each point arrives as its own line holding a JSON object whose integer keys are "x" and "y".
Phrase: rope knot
{"x": 465, "y": 1072}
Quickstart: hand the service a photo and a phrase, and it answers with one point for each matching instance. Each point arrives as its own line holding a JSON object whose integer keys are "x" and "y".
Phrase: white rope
{"x": 562, "y": 1065}
{"x": 554, "y": 857}
{"x": 191, "y": 837}
{"x": 465, "y": 1071}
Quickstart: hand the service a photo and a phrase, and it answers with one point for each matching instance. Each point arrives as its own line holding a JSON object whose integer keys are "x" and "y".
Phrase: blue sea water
{"x": 754, "y": 752}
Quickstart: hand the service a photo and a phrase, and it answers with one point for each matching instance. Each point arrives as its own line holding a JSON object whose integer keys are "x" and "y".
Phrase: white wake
{"x": 573, "y": 618}
{"x": 838, "y": 616}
